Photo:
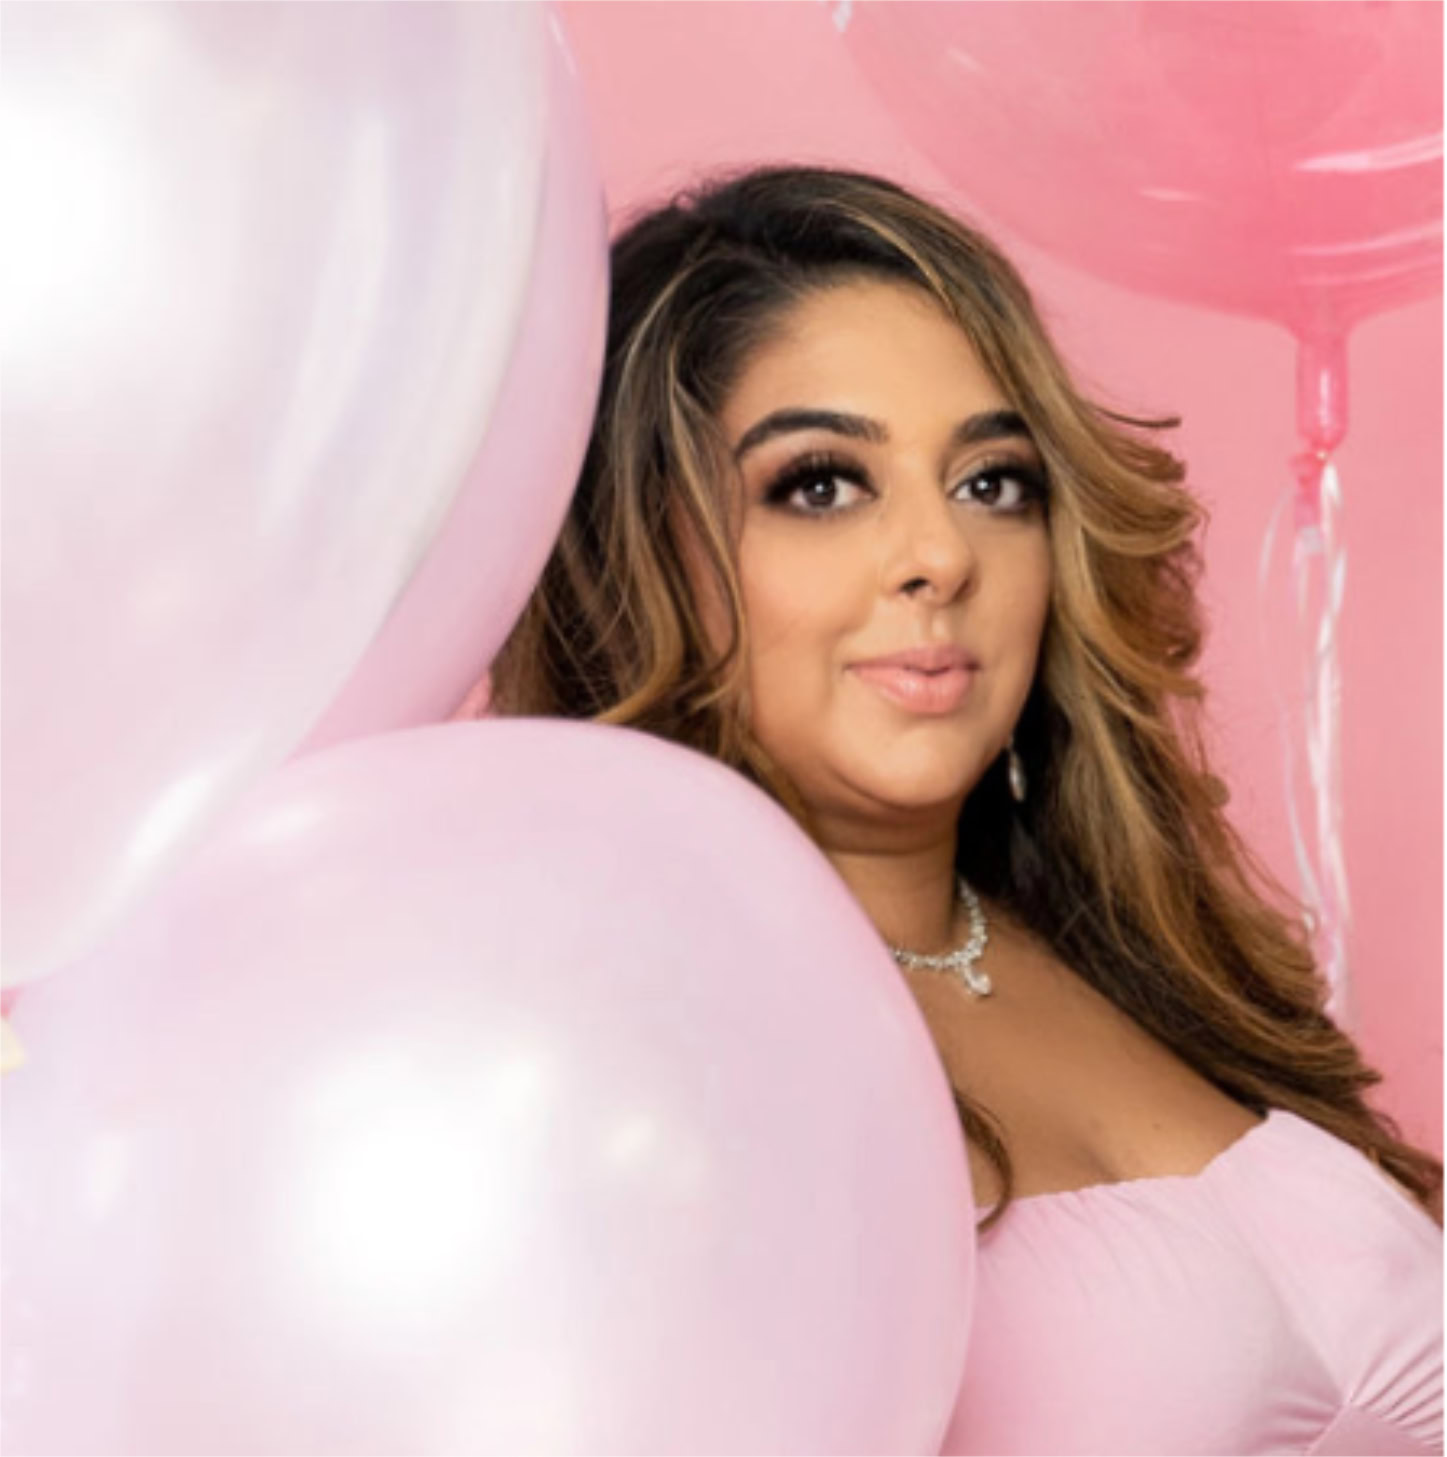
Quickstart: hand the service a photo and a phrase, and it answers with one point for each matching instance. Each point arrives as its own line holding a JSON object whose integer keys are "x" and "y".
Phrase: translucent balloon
{"x": 514, "y": 1086}
{"x": 1281, "y": 161}
{"x": 262, "y": 270}
{"x": 486, "y": 558}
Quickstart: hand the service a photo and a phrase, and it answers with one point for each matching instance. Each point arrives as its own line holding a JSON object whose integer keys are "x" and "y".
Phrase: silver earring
{"x": 1018, "y": 783}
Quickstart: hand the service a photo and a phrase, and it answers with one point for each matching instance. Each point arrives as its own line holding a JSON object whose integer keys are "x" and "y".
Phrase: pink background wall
{"x": 675, "y": 88}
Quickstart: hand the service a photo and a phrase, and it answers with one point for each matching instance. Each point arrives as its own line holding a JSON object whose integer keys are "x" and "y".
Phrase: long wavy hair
{"x": 1121, "y": 859}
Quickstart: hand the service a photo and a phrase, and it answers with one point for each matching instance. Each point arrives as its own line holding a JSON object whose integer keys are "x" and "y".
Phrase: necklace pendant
{"x": 977, "y": 983}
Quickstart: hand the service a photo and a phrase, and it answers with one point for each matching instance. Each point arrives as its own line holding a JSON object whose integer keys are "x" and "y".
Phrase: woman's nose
{"x": 930, "y": 548}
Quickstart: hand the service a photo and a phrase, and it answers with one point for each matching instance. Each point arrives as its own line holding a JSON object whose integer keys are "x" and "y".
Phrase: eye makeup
{"x": 827, "y": 468}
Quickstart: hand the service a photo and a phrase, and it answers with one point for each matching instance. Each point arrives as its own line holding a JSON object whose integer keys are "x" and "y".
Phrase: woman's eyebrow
{"x": 988, "y": 425}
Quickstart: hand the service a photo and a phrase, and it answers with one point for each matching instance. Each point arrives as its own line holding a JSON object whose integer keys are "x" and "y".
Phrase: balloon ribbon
{"x": 1318, "y": 577}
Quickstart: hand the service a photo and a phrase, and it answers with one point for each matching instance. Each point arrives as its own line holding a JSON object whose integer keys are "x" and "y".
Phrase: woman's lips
{"x": 919, "y": 692}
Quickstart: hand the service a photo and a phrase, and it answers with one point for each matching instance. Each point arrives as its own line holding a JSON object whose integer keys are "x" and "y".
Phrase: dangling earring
{"x": 1018, "y": 783}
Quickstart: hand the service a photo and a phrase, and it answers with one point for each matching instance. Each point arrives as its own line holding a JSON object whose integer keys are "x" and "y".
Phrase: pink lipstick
{"x": 917, "y": 691}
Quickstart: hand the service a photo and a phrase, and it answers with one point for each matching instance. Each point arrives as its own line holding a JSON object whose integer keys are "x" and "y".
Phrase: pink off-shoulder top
{"x": 1288, "y": 1298}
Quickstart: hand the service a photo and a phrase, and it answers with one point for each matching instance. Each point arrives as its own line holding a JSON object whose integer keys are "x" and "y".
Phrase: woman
{"x": 846, "y": 525}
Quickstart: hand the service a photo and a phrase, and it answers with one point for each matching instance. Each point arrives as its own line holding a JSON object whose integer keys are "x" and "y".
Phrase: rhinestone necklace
{"x": 962, "y": 960}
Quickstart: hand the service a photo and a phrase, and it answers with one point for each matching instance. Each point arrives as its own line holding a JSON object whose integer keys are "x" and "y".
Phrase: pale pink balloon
{"x": 513, "y": 1086}
{"x": 486, "y": 558}
{"x": 262, "y": 270}
{"x": 1281, "y": 161}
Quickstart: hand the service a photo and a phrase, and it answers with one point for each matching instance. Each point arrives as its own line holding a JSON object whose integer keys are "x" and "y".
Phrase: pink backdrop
{"x": 677, "y": 88}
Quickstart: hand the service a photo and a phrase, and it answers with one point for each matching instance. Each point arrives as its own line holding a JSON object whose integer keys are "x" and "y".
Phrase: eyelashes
{"x": 1023, "y": 483}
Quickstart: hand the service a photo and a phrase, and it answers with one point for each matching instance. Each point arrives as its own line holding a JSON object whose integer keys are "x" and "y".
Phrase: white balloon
{"x": 262, "y": 267}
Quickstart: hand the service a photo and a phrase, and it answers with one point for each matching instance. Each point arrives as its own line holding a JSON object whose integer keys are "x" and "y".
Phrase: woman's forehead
{"x": 861, "y": 346}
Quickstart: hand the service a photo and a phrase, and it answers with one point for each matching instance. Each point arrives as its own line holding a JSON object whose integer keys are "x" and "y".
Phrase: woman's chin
{"x": 919, "y": 780}
{"x": 916, "y": 794}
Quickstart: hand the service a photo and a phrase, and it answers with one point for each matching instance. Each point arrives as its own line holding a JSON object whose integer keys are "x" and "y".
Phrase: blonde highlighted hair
{"x": 1121, "y": 859}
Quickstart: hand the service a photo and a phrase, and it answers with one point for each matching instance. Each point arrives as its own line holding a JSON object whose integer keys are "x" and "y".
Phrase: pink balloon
{"x": 487, "y": 557}
{"x": 515, "y": 1086}
{"x": 1281, "y": 161}
{"x": 263, "y": 266}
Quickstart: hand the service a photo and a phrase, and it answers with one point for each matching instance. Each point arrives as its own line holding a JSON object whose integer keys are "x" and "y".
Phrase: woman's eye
{"x": 1008, "y": 487}
{"x": 814, "y": 491}
{"x": 822, "y": 490}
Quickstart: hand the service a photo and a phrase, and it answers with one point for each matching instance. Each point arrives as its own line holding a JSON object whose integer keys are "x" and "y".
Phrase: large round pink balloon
{"x": 262, "y": 269}
{"x": 515, "y": 1086}
{"x": 1281, "y": 161}
{"x": 486, "y": 558}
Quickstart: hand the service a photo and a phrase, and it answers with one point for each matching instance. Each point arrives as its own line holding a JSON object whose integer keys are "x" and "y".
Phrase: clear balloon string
{"x": 1287, "y": 711}
{"x": 1311, "y": 715}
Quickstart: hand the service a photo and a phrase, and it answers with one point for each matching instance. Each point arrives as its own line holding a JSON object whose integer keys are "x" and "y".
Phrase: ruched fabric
{"x": 1286, "y": 1299}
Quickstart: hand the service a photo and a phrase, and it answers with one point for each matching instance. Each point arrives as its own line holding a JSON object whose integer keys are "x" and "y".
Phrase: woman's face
{"x": 891, "y": 500}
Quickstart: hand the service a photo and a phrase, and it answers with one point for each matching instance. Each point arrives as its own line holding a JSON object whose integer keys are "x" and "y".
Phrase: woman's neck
{"x": 910, "y": 897}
